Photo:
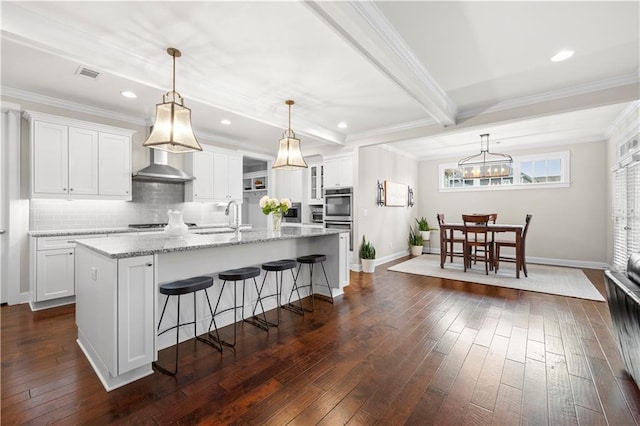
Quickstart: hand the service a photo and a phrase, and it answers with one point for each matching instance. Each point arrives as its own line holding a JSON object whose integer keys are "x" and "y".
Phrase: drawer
{"x": 52, "y": 243}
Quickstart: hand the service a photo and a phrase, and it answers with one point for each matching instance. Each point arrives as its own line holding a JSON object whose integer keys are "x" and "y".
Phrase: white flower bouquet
{"x": 273, "y": 205}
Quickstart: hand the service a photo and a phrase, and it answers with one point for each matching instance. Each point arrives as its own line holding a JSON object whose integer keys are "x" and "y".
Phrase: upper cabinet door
{"x": 203, "y": 172}
{"x": 221, "y": 176}
{"x": 338, "y": 172}
{"x": 235, "y": 177}
{"x": 83, "y": 161}
{"x": 50, "y": 158}
{"x": 114, "y": 167}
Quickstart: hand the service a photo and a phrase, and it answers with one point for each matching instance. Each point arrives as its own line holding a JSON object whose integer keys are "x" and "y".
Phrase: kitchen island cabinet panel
{"x": 135, "y": 313}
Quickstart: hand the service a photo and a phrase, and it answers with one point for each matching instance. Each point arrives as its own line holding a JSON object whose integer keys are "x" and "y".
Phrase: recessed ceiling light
{"x": 342, "y": 125}
{"x": 128, "y": 94}
{"x": 562, "y": 55}
{"x": 225, "y": 122}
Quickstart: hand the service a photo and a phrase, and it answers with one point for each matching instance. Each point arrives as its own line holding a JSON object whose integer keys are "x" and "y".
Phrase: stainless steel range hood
{"x": 160, "y": 171}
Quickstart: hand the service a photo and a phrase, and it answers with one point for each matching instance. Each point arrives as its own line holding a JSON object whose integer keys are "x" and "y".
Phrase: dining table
{"x": 493, "y": 228}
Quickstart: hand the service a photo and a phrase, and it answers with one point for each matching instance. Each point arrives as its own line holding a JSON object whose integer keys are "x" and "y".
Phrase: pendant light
{"x": 172, "y": 130}
{"x": 289, "y": 155}
{"x": 485, "y": 164}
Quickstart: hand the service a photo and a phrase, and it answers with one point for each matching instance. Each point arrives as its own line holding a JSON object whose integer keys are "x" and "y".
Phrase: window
{"x": 531, "y": 171}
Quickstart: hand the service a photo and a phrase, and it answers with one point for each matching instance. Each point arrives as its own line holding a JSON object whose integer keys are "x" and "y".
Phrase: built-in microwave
{"x": 294, "y": 214}
{"x": 338, "y": 204}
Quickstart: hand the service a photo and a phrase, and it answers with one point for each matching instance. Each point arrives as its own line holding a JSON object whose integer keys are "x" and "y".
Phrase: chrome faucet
{"x": 236, "y": 212}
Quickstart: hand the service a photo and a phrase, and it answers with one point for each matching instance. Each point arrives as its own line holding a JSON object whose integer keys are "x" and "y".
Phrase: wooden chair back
{"x": 475, "y": 225}
{"x": 526, "y": 227}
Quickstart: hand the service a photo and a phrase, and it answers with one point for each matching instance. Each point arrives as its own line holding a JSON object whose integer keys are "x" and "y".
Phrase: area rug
{"x": 557, "y": 280}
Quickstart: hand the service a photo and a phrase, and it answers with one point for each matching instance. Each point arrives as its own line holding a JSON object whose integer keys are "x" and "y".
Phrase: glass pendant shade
{"x": 289, "y": 155}
{"x": 172, "y": 129}
{"x": 485, "y": 164}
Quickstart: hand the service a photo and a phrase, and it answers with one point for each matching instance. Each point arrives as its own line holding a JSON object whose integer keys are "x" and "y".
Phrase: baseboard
{"x": 53, "y": 303}
{"x": 25, "y": 297}
{"x": 357, "y": 267}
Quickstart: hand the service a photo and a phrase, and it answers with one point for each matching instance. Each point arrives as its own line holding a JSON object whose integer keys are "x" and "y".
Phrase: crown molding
{"x": 580, "y": 89}
{"x": 632, "y": 108}
{"x": 72, "y": 106}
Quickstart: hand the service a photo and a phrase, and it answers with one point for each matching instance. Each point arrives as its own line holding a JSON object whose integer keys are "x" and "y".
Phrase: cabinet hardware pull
{"x": 64, "y": 189}
{"x": 70, "y": 254}
{"x": 70, "y": 242}
{"x": 149, "y": 264}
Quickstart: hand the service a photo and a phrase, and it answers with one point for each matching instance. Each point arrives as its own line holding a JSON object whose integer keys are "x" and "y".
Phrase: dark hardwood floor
{"x": 395, "y": 349}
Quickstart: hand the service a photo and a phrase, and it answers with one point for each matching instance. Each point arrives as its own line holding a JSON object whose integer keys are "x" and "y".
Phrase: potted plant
{"x": 367, "y": 256}
{"x": 415, "y": 242}
{"x": 423, "y": 227}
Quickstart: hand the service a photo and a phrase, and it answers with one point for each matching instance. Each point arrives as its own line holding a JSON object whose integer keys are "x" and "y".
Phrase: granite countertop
{"x": 141, "y": 245}
{"x": 222, "y": 227}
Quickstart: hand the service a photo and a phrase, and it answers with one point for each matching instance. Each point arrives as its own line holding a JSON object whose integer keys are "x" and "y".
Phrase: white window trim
{"x": 565, "y": 179}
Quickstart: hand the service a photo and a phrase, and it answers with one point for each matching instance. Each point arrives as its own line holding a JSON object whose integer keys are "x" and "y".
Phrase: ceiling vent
{"x": 88, "y": 73}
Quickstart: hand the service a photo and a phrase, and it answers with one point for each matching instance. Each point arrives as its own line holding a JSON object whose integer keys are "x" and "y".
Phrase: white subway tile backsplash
{"x": 150, "y": 204}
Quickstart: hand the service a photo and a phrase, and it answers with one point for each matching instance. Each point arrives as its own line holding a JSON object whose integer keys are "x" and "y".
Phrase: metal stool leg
{"x": 289, "y": 306}
{"x": 177, "y": 327}
{"x": 258, "y": 322}
{"x": 211, "y": 341}
{"x": 327, "y": 281}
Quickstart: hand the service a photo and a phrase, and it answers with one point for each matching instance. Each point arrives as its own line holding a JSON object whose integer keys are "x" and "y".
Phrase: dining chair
{"x": 492, "y": 219}
{"x": 510, "y": 243}
{"x": 447, "y": 241}
{"x": 476, "y": 230}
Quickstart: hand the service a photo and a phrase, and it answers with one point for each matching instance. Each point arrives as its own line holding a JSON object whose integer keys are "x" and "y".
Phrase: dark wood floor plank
{"x": 452, "y": 410}
{"x": 394, "y": 349}
{"x": 534, "y": 394}
{"x": 559, "y": 396}
{"x": 508, "y": 406}
{"x": 486, "y": 390}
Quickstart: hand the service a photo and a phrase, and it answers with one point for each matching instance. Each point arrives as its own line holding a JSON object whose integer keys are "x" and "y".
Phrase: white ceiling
{"x": 426, "y": 78}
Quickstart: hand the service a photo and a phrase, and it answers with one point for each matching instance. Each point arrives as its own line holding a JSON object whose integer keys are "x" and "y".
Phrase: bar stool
{"x": 311, "y": 260}
{"x": 277, "y": 266}
{"x": 178, "y": 288}
{"x": 235, "y": 275}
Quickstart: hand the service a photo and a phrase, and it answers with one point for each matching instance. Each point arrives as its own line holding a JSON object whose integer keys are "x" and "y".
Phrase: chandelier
{"x": 172, "y": 130}
{"x": 485, "y": 164}
{"x": 289, "y": 154}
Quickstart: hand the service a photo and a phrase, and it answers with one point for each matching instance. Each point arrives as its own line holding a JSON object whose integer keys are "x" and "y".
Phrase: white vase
{"x": 416, "y": 250}
{"x": 426, "y": 235}
{"x": 368, "y": 265}
{"x": 176, "y": 227}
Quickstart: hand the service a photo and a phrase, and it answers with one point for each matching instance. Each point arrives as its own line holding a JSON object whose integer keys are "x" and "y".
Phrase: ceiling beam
{"x": 364, "y": 26}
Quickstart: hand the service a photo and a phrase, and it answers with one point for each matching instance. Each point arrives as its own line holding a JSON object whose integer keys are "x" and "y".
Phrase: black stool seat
{"x": 239, "y": 274}
{"x": 189, "y": 285}
{"x": 280, "y": 265}
{"x": 312, "y": 258}
{"x": 178, "y": 288}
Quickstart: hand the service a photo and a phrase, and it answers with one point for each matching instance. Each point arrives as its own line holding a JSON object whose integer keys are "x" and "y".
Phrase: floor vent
{"x": 88, "y": 73}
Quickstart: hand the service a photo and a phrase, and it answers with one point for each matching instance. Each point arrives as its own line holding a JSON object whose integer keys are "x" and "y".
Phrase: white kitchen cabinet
{"x": 201, "y": 189}
{"x": 52, "y": 266}
{"x": 289, "y": 184}
{"x": 227, "y": 176}
{"x": 83, "y": 161}
{"x": 50, "y": 157}
{"x": 114, "y": 167}
{"x": 54, "y": 274}
{"x": 316, "y": 183}
{"x": 74, "y": 159}
{"x": 135, "y": 314}
{"x": 338, "y": 172}
{"x": 218, "y": 176}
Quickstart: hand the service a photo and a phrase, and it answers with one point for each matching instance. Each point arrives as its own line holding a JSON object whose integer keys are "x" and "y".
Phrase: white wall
{"x": 386, "y": 227}
{"x": 569, "y": 225}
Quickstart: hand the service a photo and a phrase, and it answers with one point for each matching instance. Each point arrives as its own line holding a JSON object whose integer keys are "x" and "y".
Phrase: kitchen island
{"x": 117, "y": 298}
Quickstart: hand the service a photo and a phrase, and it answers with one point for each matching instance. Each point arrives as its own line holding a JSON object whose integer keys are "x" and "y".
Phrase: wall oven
{"x": 294, "y": 214}
{"x": 338, "y": 205}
